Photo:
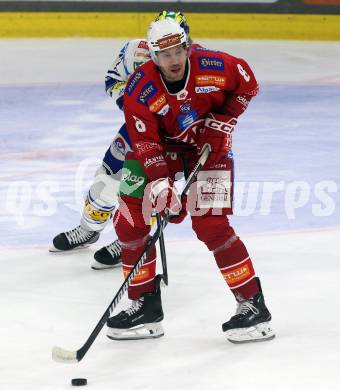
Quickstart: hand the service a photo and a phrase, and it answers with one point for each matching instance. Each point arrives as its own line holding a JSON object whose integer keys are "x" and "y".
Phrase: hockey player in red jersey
{"x": 101, "y": 198}
{"x": 183, "y": 99}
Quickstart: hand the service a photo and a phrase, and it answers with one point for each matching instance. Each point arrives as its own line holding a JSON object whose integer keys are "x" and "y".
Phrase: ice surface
{"x": 55, "y": 125}
{"x": 56, "y": 299}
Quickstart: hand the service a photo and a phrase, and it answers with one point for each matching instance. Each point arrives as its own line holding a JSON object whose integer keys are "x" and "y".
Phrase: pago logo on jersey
{"x": 211, "y": 63}
{"x": 127, "y": 176}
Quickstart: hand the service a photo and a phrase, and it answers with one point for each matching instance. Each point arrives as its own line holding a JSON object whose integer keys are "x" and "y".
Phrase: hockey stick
{"x": 161, "y": 238}
{"x": 65, "y": 356}
{"x": 163, "y": 252}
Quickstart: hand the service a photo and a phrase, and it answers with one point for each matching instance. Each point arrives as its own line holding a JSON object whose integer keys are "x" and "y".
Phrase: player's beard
{"x": 174, "y": 73}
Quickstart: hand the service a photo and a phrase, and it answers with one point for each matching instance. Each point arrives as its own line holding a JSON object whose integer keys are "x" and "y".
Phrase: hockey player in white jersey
{"x": 101, "y": 198}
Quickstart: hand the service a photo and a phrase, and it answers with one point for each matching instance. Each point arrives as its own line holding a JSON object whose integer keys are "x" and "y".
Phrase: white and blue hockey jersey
{"x": 132, "y": 55}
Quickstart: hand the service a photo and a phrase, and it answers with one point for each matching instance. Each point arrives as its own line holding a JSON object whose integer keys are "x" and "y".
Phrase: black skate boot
{"x": 141, "y": 321}
{"x": 77, "y": 238}
{"x": 109, "y": 256}
{"x": 251, "y": 321}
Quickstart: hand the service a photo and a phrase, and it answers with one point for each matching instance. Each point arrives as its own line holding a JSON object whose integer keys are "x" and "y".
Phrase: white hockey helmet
{"x": 134, "y": 54}
{"x": 164, "y": 34}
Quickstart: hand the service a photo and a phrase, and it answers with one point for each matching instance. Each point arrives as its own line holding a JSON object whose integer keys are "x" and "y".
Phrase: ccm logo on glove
{"x": 226, "y": 127}
{"x": 217, "y": 132}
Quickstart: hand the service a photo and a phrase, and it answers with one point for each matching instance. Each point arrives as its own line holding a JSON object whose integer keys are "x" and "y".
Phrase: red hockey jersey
{"x": 216, "y": 82}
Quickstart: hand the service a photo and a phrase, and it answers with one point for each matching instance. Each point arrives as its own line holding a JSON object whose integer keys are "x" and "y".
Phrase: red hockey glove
{"x": 217, "y": 132}
{"x": 166, "y": 200}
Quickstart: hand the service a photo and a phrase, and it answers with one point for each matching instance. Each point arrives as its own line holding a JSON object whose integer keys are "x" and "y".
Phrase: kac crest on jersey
{"x": 185, "y": 108}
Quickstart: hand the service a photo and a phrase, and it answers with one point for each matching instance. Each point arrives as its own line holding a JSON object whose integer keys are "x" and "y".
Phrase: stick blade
{"x": 62, "y": 355}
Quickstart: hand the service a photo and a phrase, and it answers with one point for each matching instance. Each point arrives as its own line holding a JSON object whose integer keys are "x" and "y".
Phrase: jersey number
{"x": 243, "y": 72}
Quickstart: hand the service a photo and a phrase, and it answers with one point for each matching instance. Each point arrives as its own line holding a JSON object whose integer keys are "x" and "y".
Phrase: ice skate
{"x": 141, "y": 321}
{"x": 109, "y": 256}
{"x": 250, "y": 323}
{"x": 77, "y": 238}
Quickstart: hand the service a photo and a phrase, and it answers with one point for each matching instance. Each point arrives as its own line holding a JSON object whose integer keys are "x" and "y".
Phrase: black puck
{"x": 79, "y": 382}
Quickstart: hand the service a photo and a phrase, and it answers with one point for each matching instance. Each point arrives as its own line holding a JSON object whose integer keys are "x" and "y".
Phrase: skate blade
{"x": 53, "y": 249}
{"x": 145, "y": 331}
{"x": 99, "y": 266}
{"x": 257, "y": 333}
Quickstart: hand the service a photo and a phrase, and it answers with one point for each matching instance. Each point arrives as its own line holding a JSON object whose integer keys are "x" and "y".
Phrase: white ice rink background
{"x": 56, "y": 123}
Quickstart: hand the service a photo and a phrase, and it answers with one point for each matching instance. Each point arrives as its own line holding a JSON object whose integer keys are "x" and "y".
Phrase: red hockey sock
{"x": 133, "y": 235}
{"x": 237, "y": 268}
{"x": 230, "y": 253}
{"x": 144, "y": 281}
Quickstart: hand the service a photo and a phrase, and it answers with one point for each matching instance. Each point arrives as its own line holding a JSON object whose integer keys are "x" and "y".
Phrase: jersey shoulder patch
{"x": 142, "y": 83}
{"x": 134, "y": 80}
